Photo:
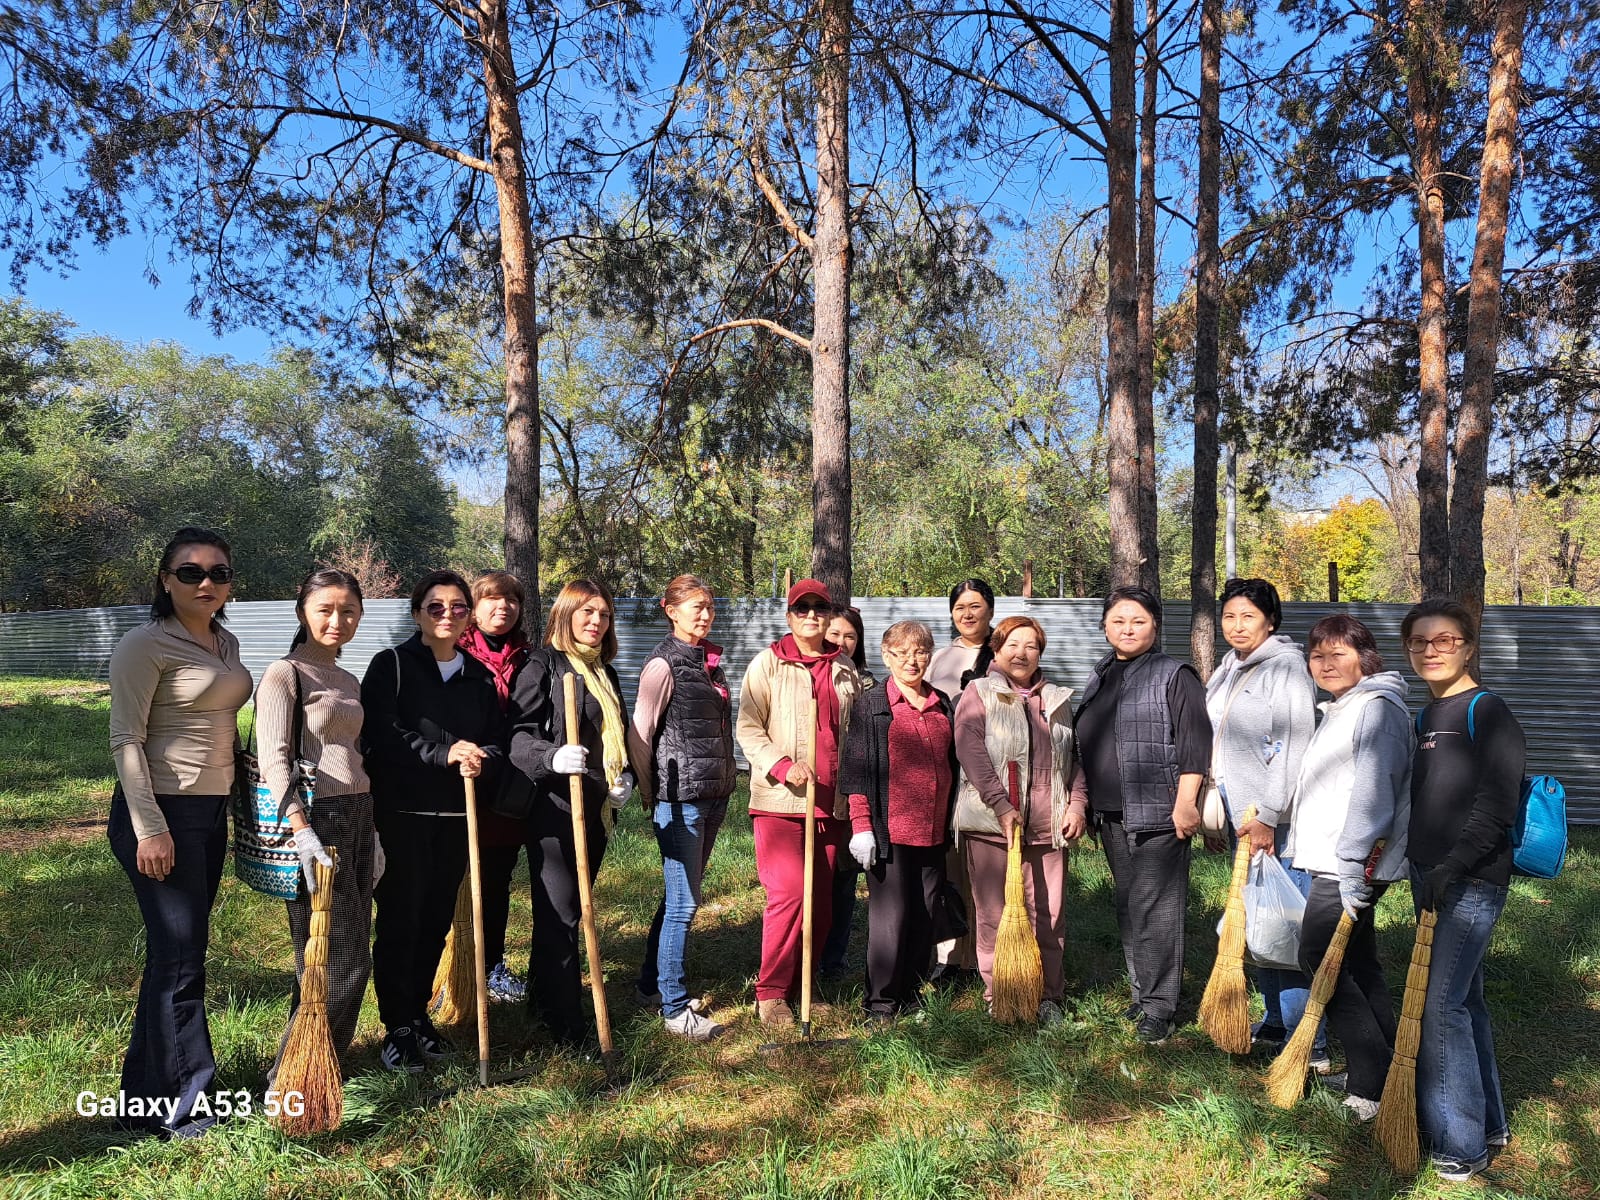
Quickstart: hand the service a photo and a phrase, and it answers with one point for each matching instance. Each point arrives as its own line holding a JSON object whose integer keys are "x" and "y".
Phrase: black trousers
{"x": 426, "y": 857}
{"x": 169, "y": 1055}
{"x": 344, "y": 822}
{"x": 1151, "y": 873}
{"x": 837, "y": 946}
{"x": 1361, "y": 1012}
{"x": 902, "y": 894}
{"x": 555, "y": 984}
{"x": 497, "y": 865}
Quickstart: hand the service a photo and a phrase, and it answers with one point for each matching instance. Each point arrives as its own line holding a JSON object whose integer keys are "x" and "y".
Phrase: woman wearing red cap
{"x": 774, "y": 706}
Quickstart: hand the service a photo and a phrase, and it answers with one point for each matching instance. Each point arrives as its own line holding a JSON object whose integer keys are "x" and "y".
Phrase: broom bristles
{"x": 1397, "y": 1111}
{"x": 1225, "y": 1006}
{"x": 309, "y": 1066}
{"x": 1286, "y": 1080}
{"x": 1018, "y": 969}
{"x": 455, "y": 982}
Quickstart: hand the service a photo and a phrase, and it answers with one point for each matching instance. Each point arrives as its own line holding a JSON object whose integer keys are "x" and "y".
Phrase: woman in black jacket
{"x": 578, "y": 640}
{"x": 431, "y": 719}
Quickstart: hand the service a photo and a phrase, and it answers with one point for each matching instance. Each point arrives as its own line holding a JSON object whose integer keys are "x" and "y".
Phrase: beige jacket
{"x": 1006, "y": 739}
{"x": 774, "y": 701}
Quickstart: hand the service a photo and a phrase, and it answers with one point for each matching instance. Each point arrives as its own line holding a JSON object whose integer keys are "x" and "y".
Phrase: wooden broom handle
{"x": 580, "y": 852}
{"x": 480, "y": 969}
{"x": 809, "y": 872}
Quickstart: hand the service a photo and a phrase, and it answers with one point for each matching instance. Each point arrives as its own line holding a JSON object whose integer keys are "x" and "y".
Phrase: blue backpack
{"x": 1539, "y": 835}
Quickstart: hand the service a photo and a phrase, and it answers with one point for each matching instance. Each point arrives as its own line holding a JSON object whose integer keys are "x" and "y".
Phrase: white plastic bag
{"x": 1273, "y": 912}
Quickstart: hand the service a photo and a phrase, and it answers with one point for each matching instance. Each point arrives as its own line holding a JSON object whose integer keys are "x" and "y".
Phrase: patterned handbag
{"x": 263, "y": 840}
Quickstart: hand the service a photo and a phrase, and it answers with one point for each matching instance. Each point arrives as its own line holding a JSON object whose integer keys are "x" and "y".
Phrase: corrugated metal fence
{"x": 1544, "y": 661}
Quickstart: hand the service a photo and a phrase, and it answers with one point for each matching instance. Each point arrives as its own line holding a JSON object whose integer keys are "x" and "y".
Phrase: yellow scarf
{"x": 613, "y": 733}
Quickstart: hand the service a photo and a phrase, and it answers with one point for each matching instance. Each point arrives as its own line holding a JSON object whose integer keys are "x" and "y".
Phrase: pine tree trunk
{"x": 1476, "y": 420}
{"x": 1150, "y": 576}
{"x": 1207, "y": 319}
{"x": 1425, "y": 99}
{"x": 1128, "y": 552}
{"x": 521, "y": 335}
{"x": 830, "y": 339}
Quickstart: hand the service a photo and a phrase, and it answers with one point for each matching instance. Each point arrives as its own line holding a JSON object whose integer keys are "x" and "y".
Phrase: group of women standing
{"x": 920, "y": 780}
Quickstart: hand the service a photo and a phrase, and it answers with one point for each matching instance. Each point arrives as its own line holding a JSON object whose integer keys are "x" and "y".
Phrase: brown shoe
{"x": 775, "y": 1012}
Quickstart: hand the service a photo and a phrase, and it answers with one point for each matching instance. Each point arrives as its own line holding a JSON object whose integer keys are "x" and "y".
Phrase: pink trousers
{"x": 1044, "y": 881}
{"x": 780, "y": 865}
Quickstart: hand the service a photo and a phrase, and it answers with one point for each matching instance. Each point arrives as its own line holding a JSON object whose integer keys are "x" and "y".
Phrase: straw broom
{"x": 1018, "y": 973}
{"x": 1225, "y": 1007}
{"x": 1397, "y": 1111}
{"x": 309, "y": 1065}
{"x": 455, "y": 980}
{"x": 1286, "y": 1081}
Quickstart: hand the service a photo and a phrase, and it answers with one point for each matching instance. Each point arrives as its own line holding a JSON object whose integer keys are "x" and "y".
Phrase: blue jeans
{"x": 1459, "y": 1107}
{"x": 685, "y": 832}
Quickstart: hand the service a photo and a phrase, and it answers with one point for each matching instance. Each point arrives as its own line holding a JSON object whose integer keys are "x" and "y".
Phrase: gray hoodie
{"x": 1258, "y": 744}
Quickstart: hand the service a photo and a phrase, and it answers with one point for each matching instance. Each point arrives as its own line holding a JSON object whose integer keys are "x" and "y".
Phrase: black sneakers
{"x": 1153, "y": 1031}
{"x": 429, "y": 1040}
{"x": 401, "y": 1052}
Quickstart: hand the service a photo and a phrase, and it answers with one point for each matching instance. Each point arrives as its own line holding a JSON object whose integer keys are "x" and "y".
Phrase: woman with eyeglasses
{"x": 898, "y": 768}
{"x": 580, "y": 640}
{"x": 1466, "y": 786}
{"x": 431, "y": 721}
{"x": 1017, "y": 747}
{"x": 774, "y": 709}
{"x": 176, "y": 689}
{"x": 308, "y": 689}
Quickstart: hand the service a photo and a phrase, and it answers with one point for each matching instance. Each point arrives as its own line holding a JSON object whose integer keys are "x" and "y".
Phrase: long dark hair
{"x": 322, "y": 577}
{"x": 189, "y": 535}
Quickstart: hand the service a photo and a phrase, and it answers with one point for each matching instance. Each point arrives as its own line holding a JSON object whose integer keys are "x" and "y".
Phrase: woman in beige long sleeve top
{"x": 329, "y": 606}
{"x": 176, "y": 689}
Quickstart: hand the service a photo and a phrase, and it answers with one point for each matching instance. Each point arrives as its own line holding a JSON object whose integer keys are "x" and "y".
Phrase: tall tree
{"x": 830, "y": 338}
{"x": 359, "y": 170}
{"x": 1207, "y": 322}
{"x": 1475, "y": 422}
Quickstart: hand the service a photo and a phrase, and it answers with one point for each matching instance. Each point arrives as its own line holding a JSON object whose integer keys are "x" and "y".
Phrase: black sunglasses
{"x": 804, "y": 608}
{"x": 438, "y": 609}
{"x": 194, "y": 573}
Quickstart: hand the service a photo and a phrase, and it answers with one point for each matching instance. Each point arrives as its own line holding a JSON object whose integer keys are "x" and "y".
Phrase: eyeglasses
{"x": 815, "y": 608}
{"x": 910, "y": 656}
{"x": 1444, "y": 643}
{"x": 438, "y": 609}
{"x": 194, "y": 573}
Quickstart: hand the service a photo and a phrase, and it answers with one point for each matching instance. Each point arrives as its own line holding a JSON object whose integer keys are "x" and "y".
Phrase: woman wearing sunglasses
{"x": 579, "y": 639}
{"x": 774, "y": 713}
{"x": 432, "y": 720}
{"x": 176, "y": 689}
{"x": 1466, "y": 785}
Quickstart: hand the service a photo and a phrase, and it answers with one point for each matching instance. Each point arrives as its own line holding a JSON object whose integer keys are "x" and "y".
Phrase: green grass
{"x": 948, "y": 1108}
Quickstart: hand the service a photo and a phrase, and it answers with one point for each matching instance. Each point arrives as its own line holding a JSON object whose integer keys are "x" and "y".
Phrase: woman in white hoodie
{"x": 1262, "y": 706}
{"x": 1352, "y": 808}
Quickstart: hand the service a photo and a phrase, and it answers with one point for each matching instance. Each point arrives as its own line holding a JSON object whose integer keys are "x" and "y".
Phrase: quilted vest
{"x": 694, "y": 740}
{"x": 1005, "y": 737}
{"x": 1146, "y": 756}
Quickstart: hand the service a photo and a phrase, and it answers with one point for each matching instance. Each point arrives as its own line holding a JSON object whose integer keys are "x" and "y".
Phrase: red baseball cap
{"x": 809, "y": 587}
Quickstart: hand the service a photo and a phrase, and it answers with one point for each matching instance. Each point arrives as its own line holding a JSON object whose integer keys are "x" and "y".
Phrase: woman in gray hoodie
{"x": 1352, "y": 812}
{"x": 1262, "y": 705}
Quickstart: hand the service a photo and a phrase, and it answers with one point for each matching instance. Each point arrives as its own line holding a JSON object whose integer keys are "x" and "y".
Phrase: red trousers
{"x": 780, "y": 865}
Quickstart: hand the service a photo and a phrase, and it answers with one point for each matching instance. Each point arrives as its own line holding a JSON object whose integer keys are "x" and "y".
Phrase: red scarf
{"x": 821, "y": 668}
{"x": 502, "y": 663}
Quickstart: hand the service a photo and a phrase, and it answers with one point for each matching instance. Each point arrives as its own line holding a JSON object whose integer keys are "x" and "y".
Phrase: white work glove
{"x": 309, "y": 847}
{"x": 864, "y": 849}
{"x": 380, "y": 860}
{"x": 1354, "y": 895}
{"x": 570, "y": 760}
{"x": 617, "y": 797}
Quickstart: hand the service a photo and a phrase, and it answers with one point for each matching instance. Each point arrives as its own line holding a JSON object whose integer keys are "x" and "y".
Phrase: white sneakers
{"x": 691, "y": 1025}
{"x": 1363, "y": 1108}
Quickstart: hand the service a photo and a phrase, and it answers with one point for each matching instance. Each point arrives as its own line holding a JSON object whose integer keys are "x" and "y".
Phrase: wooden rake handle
{"x": 808, "y": 877}
{"x": 580, "y": 851}
{"x": 480, "y": 968}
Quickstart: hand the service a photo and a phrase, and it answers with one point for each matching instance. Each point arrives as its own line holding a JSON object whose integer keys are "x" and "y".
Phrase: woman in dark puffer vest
{"x": 681, "y": 746}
